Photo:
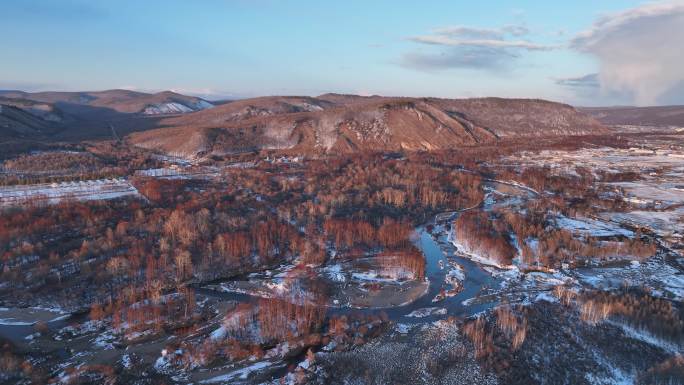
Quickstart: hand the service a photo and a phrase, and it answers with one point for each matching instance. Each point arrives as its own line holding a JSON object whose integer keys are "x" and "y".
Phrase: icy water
{"x": 434, "y": 250}
{"x": 17, "y": 324}
{"x": 438, "y": 251}
{"x": 476, "y": 280}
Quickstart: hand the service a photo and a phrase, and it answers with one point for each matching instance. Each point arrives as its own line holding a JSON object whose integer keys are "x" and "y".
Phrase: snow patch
{"x": 242, "y": 374}
{"x": 335, "y": 273}
{"x": 592, "y": 227}
{"x": 544, "y": 296}
{"x": 427, "y": 312}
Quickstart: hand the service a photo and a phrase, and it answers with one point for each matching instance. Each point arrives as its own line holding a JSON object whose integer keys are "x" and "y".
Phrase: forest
{"x": 301, "y": 234}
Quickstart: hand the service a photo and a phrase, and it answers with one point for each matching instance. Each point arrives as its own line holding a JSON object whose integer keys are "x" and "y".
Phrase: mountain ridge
{"x": 329, "y": 123}
{"x": 118, "y": 100}
{"x": 657, "y": 116}
{"x": 343, "y": 123}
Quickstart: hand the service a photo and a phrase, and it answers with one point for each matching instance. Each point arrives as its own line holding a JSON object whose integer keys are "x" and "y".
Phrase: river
{"x": 438, "y": 252}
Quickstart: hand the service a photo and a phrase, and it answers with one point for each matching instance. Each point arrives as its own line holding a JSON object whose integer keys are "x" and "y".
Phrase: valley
{"x": 341, "y": 193}
{"x": 272, "y": 266}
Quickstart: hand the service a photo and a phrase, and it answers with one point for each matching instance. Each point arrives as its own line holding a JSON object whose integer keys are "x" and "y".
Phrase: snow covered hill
{"x": 177, "y": 107}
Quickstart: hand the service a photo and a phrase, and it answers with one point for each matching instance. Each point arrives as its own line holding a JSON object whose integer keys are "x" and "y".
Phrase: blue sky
{"x": 239, "y": 48}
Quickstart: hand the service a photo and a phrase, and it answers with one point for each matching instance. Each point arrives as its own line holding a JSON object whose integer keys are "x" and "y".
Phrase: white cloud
{"x": 640, "y": 52}
{"x": 205, "y": 93}
{"x": 491, "y": 43}
{"x": 210, "y": 93}
{"x": 516, "y": 30}
{"x": 476, "y": 33}
{"x": 468, "y": 47}
{"x": 586, "y": 81}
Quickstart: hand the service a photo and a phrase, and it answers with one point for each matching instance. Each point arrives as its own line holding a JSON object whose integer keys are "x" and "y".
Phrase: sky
{"x": 610, "y": 52}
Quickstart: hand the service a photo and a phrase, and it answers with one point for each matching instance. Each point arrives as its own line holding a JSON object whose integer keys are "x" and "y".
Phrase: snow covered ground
{"x": 663, "y": 223}
{"x": 167, "y": 108}
{"x": 174, "y": 172}
{"x": 180, "y": 161}
{"x": 657, "y": 195}
{"x": 592, "y": 227}
{"x": 239, "y": 374}
{"x": 660, "y": 193}
{"x": 176, "y": 108}
{"x": 53, "y": 193}
{"x": 353, "y": 284}
{"x": 598, "y": 159}
{"x": 664, "y": 279}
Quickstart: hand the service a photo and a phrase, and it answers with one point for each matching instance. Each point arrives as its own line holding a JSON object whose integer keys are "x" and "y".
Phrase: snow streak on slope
{"x": 176, "y": 108}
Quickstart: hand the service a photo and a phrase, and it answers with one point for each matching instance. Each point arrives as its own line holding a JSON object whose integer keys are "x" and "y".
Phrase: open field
{"x": 52, "y": 193}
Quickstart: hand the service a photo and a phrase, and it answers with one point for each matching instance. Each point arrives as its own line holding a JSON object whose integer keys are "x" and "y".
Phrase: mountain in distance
{"x": 17, "y": 123}
{"x": 75, "y": 116}
{"x": 345, "y": 123}
{"x": 332, "y": 123}
{"x": 660, "y": 116}
{"x": 122, "y": 101}
{"x": 46, "y": 111}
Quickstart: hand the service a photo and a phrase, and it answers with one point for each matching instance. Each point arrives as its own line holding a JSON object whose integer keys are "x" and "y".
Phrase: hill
{"x": 45, "y": 111}
{"x": 344, "y": 123}
{"x": 21, "y": 119}
{"x": 122, "y": 101}
{"x": 665, "y": 116}
{"x": 90, "y": 115}
{"x": 330, "y": 123}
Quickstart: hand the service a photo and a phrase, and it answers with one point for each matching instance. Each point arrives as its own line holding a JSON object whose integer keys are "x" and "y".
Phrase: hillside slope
{"x": 122, "y": 101}
{"x": 91, "y": 115}
{"x": 664, "y": 116}
{"x": 344, "y": 123}
{"x": 16, "y": 123}
{"x": 45, "y": 111}
{"x": 523, "y": 117}
{"x": 331, "y": 123}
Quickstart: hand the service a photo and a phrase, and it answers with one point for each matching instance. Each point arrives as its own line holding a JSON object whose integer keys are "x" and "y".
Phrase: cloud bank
{"x": 586, "y": 81}
{"x": 640, "y": 52}
{"x": 467, "y": 47}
